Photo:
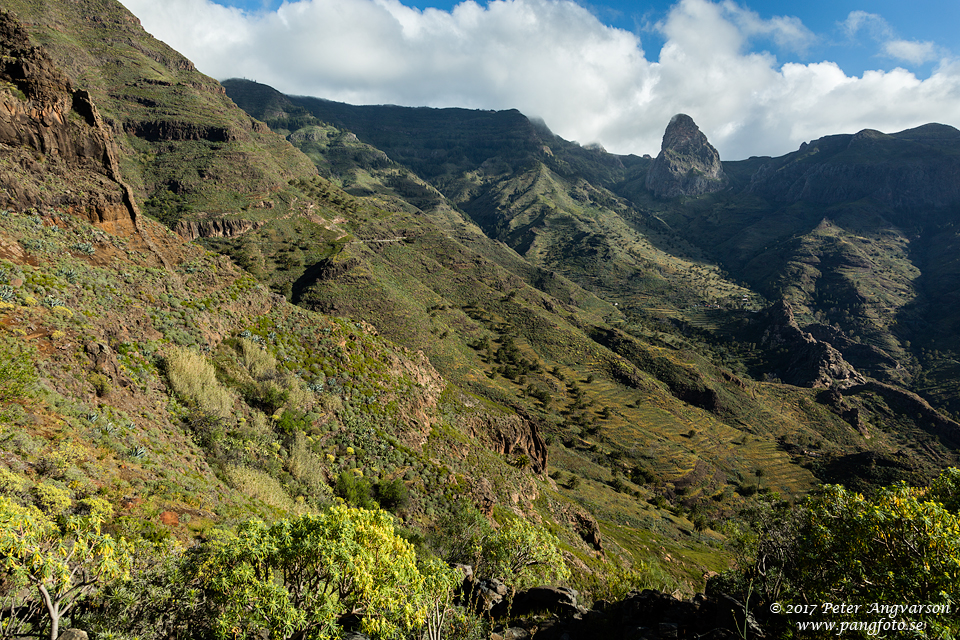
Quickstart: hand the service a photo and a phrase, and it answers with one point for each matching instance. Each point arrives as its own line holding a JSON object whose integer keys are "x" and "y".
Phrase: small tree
{"x": 521, "y": 553}
{"x": 63, "y": 562}
{"x": 296, "y": 578}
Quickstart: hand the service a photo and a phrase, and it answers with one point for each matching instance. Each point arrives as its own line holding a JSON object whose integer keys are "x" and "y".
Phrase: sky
{"x": 758, "y": 77}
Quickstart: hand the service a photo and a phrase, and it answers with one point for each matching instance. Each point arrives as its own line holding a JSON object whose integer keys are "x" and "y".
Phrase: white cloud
{"x": 553, "y": 59}
{"x": 871, "y": 22}
{"x": 912, "y": 51}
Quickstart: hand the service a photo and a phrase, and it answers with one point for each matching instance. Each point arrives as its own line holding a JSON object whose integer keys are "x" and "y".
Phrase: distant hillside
{"x": 209, "y": 314}
{"x": 891, "y": 199}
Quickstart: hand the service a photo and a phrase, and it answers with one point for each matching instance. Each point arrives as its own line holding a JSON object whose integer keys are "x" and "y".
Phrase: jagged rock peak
{"x": 688, "y": 165}
{"x": 807, "y": 362}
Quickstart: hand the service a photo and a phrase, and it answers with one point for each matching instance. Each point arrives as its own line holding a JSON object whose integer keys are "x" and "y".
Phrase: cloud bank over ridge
{"x": 554, "y": 60}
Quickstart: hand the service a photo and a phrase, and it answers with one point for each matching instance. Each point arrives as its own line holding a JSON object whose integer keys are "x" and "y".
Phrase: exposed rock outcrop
{"x": 805, "y": 361}
{"x": 561, "y": 601}
{"x": 50, "y": 129}
{"x": 215, "y": 228}
{"x": 513, "y": 436}
{"x": 688, "y": 165}
{"x": 580, "y": 521}
{"x": 645, "y": 615}
{"x": 865, "y": 357}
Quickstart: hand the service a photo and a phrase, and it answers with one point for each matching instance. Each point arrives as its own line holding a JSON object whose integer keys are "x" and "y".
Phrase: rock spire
{"x": 688, "y": 165}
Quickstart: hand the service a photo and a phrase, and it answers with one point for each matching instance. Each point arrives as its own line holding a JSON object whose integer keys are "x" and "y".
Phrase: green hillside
{"x": 219, "y": 325}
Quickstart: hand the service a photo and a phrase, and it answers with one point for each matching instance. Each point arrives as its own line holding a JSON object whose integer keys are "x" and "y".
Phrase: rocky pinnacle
{"x": 688, "y": 165}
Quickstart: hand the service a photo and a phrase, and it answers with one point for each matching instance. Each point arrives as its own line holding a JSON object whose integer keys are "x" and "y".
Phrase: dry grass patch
{"x": 192, "y": 377}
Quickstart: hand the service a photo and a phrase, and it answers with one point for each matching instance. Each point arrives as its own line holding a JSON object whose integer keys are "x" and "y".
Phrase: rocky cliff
{"x": 806, "y": 362}
{"x": 907, "y": 170}
{"x": 47, "y": 124}
{"x": 688, "y": 165}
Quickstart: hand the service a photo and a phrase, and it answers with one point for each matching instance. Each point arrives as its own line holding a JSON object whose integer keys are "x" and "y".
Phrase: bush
{"x": 259, "y": 362}
{"x": 838, "y": 546}
{"x": 193, "y": 379}
{"x": 296, "y": 578}
{"x": 17, "y": 373}
{"x": 392, "y": 495}
{"x": 353, "y": 490}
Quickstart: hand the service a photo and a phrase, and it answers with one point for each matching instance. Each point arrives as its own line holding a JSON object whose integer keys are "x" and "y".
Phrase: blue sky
{"x": 758, "y": 77}
{"x": 935, "y": 21}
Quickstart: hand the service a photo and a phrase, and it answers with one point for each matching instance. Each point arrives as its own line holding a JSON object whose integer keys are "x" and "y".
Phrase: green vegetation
{"x": 837, "y": 546}
{"x": 52, "y": 566}
{"x": 296, "y": 578}
{"x": 460, "y": 311}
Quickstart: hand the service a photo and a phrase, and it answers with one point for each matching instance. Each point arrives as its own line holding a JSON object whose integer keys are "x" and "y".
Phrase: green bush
{"x": 17, "y": 373}
{"x": 839, "y": 546}
{"x": 392, "y": 495}
{"x": 354, "y": 491}
{"x": 296, "y": 578}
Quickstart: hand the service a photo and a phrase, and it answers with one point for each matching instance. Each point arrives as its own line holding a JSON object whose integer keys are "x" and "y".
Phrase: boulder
{"x": 560, "y": 601}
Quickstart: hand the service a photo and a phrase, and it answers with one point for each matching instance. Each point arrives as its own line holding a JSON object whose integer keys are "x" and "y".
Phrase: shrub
{"x": 839, "y": 546}
{"x": 101, "y": 384}
{"x": 523, "y": 554}
{"x": 258, "y": 361}
{"x": 51, "y": 498}
{"x": 392, "y": 495}
{"x": 296, "y": 578}
{"x": 193, "y": 379}
{"x": 260, "y": 486}
{"x": 266, "y": 396}
{"x": 353, "y": 490}
{"x": 17, "y": 373}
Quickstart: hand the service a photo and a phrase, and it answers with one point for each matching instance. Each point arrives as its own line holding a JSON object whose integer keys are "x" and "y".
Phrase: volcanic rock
{"x": 688, "y": 165}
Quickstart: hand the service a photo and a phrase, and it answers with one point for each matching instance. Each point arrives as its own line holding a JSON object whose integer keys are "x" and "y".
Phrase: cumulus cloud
{"x": 553, "y": 59}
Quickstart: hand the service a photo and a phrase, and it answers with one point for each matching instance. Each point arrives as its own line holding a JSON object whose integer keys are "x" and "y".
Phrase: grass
{"x": 193, "y": 378}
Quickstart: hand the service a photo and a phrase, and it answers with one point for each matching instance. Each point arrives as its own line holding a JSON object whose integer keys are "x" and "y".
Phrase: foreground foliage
{"x": 899, "y": 548}
{"x": 296, "y": 578}
{"x": 51, "y": 564}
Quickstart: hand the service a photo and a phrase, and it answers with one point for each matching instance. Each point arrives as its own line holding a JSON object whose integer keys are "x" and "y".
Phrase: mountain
{"x": 691, "y": 259}
{"x": 212, "y": 314}
{"x": 183, "y": 389}
{"x": 687, "y": 165}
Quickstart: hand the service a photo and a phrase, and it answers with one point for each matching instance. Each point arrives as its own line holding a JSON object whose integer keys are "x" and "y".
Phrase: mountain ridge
{"x": 501, "y": 320}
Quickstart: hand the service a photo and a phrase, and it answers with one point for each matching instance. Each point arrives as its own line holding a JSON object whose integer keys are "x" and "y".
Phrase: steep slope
{"x": 184, "y": 147}
{"x": 856, "y": 232}
{"x": 544, "y": 197}
{"x": 112, "y": 334}
{"x": 539, "y": 200}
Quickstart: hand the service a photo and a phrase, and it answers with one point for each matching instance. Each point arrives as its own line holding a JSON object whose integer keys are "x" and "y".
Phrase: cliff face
{"x": 215, "y": 228}
{"x": 908, "y": 170}
{"x": 688, "y": 165}
{"x": 187, "y": 150}
{"x": 809, "y": 362}
{"x": 57, "y": 150}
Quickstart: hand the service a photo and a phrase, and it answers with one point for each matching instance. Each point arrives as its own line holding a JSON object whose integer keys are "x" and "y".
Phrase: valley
{"x": 223, "y": 305}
